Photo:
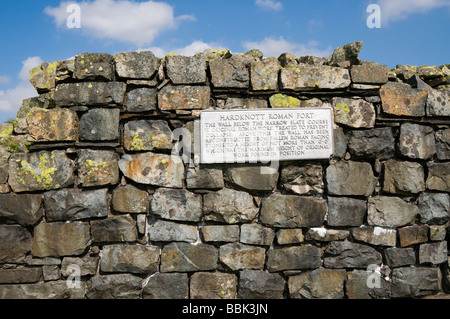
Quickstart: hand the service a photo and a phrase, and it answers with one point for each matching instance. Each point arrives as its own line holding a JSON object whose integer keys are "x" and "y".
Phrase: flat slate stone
{"x": 177, "y": 204}
{"x": 238, "y": 256}
{"x": 145, "y": 135}
{"x": 130, "y": 199}
{"x": 292, "y": 258}
{"x": 167, "y": 286}
{"x": 403, "y": 177}
{"x": 438, "y": 176}
{"x": 136, "y": 65}
{"x": 53, "y": 125}
{"x": 163, "y": 230}
{"x": 409, "y": 282}
{"x": 438, "y": 103}
{"x": 185, "y": 257}
{"x": 130, "y": 259}
{"x": 186, "y": 70}
{"x": 387, "y": 211}
{"x": 24, "y": 209}
{"x": 229, "y": 73}
{"x": 94, "y": 66}
{"x": 117, "y": 286}
{"x": 377, "y": 143}
{"x": 184, "y": 98}
{"x": 264, "y": 74}
{"x": 97, "y": 168}
{"x": 318, "y": 284}
{"x": 259, "y": 284}
{"x": 417, "y": 141}
{"x": 344, "y": 254}
{"x": 350, "y": 178}
{"x": 100, "y": 125}
{"x": 205, "y": 285}
{"x": 369, "y": 73}
{"x": 355, "y": 113}
{"x": 90, "y": 94}
{"x": 114, "y": 229}
{"x": 402, "y": 100}
{"x": 15, "y": 243}
{"x": 141, "y": 100}
{"x": 346, "y": 211}
{"x": 308, "y": 78}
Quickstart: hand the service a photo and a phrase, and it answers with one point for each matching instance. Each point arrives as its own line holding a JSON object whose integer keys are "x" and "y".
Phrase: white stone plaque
{"x": 265, "y": 135}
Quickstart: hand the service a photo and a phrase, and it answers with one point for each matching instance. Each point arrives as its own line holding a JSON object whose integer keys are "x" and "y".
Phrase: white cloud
{"x": 138, "y": 23}
{"x": 4, "y": 79}
{"x": 275, "y": 47}
{"x": 269, "y": 4}
{"x": 392, "y": 10}
{"x": 11, "y": 99}
{"x": 189, "y": 50}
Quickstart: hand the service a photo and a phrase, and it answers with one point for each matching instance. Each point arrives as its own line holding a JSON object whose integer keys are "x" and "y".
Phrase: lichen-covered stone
{"x": 238, "y": 256}
{"x": 433, "y": 253}
{"x": 43, "y": 76}
{"x": 15, "y": 243}
{"x": 74, "y": 204}
{"x": 52, "y": 125}
{"x": 344, "y": 254}
{"x": 284, "y": 101}
{"x": 206, "y": 178}
{"x": 60, "y": 239}
{"x": 348, "y": 52}
{"x": 133, "y": 259}
{"x": 377, "y": 143}
{"x": 258, "y": 284}
{"x": 40, "y": 171}
{"x": 264, "y": 74}
{"x": 141, "y": 100}
{"x": 100, "y": 125}
{"x": 369, "y": 73}
{"x": 130, "y": 199}
{"x": 185, "y": 257}
{"x": 90, "y": 94}
{"x": 318, "y": 284}
{"x": 302, "y": 179}
{"x": 219, "y": 233}
{"x": 254, "y": 179}
{"x": 167, "y": 286}
{"x": 153, "y": 169}
{"x": 186, "y": 69}
{"x": 438, "y": 103}
{"x": 434, "y": 208}
{"x": 114, "y": 229}
{"x": 417, "y": 141}
{"x": 177, "y": 204}
{"x": 402, "y": 100}
{"x": 204, "y": 285}
{"x": 229, "y": 73}
{"x": 136, "y": 65}
{"x": 94, "y": 66}
{"x": 250, "y": 103}
{"x": 145, "y": 135}
{"x": 184, "y": 98}
{"x": 118, "y": 286}
{"x": 411, "y": 235}
{"x": 256, "y": 234}
{"x": 163, "y": 230}
{"x": 356, "y": 113}
{"x": 97, "y": 168}
{"x": 443, "y": 144}
{"x": 292, "y": 258}
{"x": 386, "y": 211}
{"x": 24, "y": 209}
{"x": 438, "y": 176}
{"x": 377, "y": 236}
{"x": 350, "y": 178}
{"x": 229, "y": 206}
{"x": 4, "y": 158}
{"x": 308, "y": 78}
{"x": 410, "y": 282}
{"x": 291, "y": 211}
{"x": 403, "y": 177}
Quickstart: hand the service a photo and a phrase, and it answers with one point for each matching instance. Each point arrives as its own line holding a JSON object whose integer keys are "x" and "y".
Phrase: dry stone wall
{"x": 95, "y": 203}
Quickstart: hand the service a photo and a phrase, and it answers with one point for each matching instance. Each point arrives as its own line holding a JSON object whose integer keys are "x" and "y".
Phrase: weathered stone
{"x": 318, "y": 284}
{"x": 229, "y": 206}
{"x": 435, "y": 253}
{"x": 290, "y": 236}
{"x": 15, "y": 243}
{"x": 87, "y": 265}
{"x": 40, "y": 171}
{"x": 238, "y": 256}
{"x": 64, "y": 70}
{"x": 284, "y": 101}
{"x": 46, "y": 261}
{"x": 153, "y": 169}
{"x": 357, "y": 286}
{"x": 434, "y": 208}
{"x": 74, "y": 204}
{"x": 356, "y": 113}
{"x": 402, "y": 100}
{"x": 130, "y": 199}
{"x": 438, "y": 176}
{"x": 438, "y": 103}
{"x": 218, "y": 233}
{"x": 323, "y": 234}
{"x": 369, "y": 73}
{"x": 264, "y": 74}
{"x": 133, "y": 259}
{"x": 391, "y": 212}
{"x": 409, "y": 282}
{"x": 303, "y": 179}
{"x": 52, "y": 125}
{"x": 348, "y": 52}
{"x": 417, "y": 83}
{"x": 114, "y": 229}
{"x": 216, "y": 285}
{"x": 308, "y": 78}
{"x": 184, "y": 97}
{"x": 4, "y": 158}
{"x": 184, "y": 257}
{"x": 100, "y": 125}
{"x": 377, "y": 236}
{"x": 438, "y": 232}
{"x": 208, "y": 178}
{"x": 411, "y": 235}
{"x": 288, "y": 60}
{"x": 256, "y": 234}
{"x": 397, "y": 257}
{"x": 136, "y": 65}
{"x": 163, "y": 230}
{"x": 141, "y": 100}
{"x": 290, "y": 211}
{"x": 340, "y": 142}
{"x": 167, "y": 286}
{"x": 344, "y": 254}
{"x": 229, "y": 73}
{"x": 212, "y": 54}
{"x": 350, "y": 178}
{"x": 24, "y": 209}
{"x": 60, "y": 239}
{"x": 186, "y": 70}
{"x": 443, "y": 144}
{"x": 377, "y": 143}
{"x": 417, "y": 141}
{"x": 177, "y": 204}
{"x": 94, "y": 66}
{"x": 42, "y": 290}
{"x": 51, "y": 273}
{"x": 292, "y": 258}
{"x": 43, "y": 76}
{"x": 251, "y": 103}
{"x": 313, "y": 60}
{"x": 254, "y": 179}
{"x": 258, "y": 284}
{"x": 147, "y": 136}
{"x": 120, "y": 286}
{"x": 97, "y": 168}
{"x": 345, "y": 211}
{"x": 403, "y": 177}
{"x": 90, "y": 94}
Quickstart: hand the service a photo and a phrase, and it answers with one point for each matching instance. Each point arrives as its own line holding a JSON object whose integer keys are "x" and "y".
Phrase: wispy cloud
{"x": 188, "y": 50}
{"x": 393, "y": 10}
{"x": 275, "y": 47}
{"x": 269, "y": 4}
{"x": 4, "y": 79}
{"x": 138, "y": 23}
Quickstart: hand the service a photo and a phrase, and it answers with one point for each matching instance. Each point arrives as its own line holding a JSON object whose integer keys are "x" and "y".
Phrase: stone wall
{"x": 93, "y": 204}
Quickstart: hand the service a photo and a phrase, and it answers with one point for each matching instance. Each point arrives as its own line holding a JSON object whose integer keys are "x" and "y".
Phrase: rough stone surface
{"x": 40, "y": 171}
{"x": 97, "y": 168}
{"x": 167, "y": 286}
{"x": 435, "y": 253}
{"x": 184, "y": 97}
{"x": 43, "y": 76}
{"x": 291, "y": 211}
{"x": 238, "y": 256}
{"x": 302, "y": 179}
{"x": 258, "y": 284}
{"x": 438, "y": 176}
{"x": 403, "y": 177}
{"x": 94, "y": 66}
{"x": 346, "y": 211}
{"x": 184, "y": 257}
{"x": 257, "y": 234}
{"x": 130, "y": 259}
{"x": 323, "y": 234}
{"x": 295, "y": 257}
{"x": 114, "y": 229}
{"x": 207, "y": 178}
{"x": 130, "y": 199}
{"x": 42, "y": 290}
{"x": 229, "y": 73}
{"x": 20, "y": 275}
{"x": 136, "y": 65}
{"x": 218, "y": 233}
{"x": 350, "y": 178}
{"x": 377, "y": 236}
{"x": 438, "y": 103}
{"x": 386, "y": 211}
{"x": 356, "y": 113}
{"x": 402, "y": 100}
{"x": 120, "y": 286}
{"x": 369, "y": 73}
{"x": 411, "y": 235}
{"x": 434, "y": 208}
{"x": 308, "y": 78}
{"x": 250, "y": 103}
{"x": 147, "y": 136}
{"x": 141, "y": 100}
{"x": 90, "y": 94}
{"x": 73, "y": 204}
{"x": 24, "y": 209}
{"x": 87, "y": 265}
{"x": 357, "y": 285}
{"x": 15, "y": 243}
{"x": 255, "y": 179}
{"x": 398, "y": 257}
{"x": 377, "y": 143}
{"x": 100, "y": 125}
{"x": 186, "y": 70}
{"x": 290, "y": 236}
{"x": 417, "y": 141}
{"x": 344, "y": 254}
{"x": 217, "y": 285}
{"x": 53, "y": 125}
{"x": 443, "y": 144}
{"x": 348, "y": 52}
{"x": 163, "y": 230}
{"x": 410, "y": 282}
{"x": 264, "y": 74}
{"x": 318, "y": 284}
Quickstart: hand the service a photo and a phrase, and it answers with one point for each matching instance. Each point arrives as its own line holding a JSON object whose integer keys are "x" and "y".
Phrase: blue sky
{"x": 412, "y": 32}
